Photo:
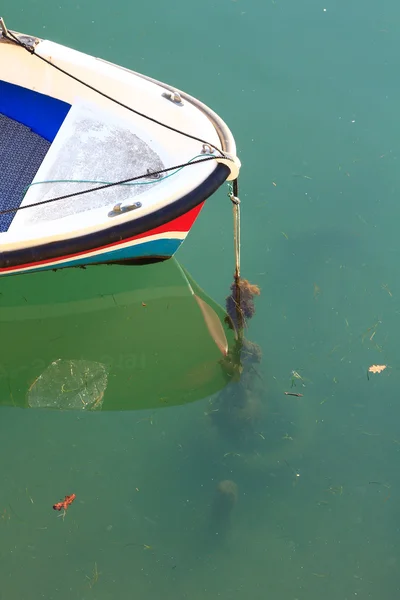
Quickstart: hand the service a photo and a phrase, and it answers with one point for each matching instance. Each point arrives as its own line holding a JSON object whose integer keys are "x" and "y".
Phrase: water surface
{"x": 310, "y": 91}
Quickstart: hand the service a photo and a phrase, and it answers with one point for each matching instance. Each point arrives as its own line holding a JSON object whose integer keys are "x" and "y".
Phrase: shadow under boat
{"x": 110, "y": 338}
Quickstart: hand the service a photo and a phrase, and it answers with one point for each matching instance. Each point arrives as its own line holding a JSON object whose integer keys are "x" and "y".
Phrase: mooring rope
{"x": 234, "y": 197}
{"x": 236, "y": 288}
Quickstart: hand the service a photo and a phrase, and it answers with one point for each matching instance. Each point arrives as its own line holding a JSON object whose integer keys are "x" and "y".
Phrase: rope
{"x": 12, "y": 38}
{"x": 236, "y": 226}
{"x": 234, "y": 197}
{"x": 154, "y": 180}
{"x": 103, "y": 187}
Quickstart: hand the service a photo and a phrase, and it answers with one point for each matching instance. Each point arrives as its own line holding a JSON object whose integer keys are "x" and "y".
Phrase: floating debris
{"x": 386, "y": 288}
{"x": 68, "y": 500}
{"x": 376, "y": 368}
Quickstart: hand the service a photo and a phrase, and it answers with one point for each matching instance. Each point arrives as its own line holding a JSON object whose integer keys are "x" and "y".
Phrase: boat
{"x": 99, "y": 340}
{"x": 99, "y": 164}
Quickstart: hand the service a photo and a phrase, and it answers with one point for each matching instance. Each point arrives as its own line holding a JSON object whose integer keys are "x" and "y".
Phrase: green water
{"x": 311, "y": 96}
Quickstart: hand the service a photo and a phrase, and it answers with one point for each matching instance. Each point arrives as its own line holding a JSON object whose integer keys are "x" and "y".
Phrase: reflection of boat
{"x": 99, "y": 163}
{"x": 110, "y": 337}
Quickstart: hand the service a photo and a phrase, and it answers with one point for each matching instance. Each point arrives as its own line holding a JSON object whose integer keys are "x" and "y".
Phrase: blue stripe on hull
{"x": 164, "y": 247}
{"x": 157, "y": 248}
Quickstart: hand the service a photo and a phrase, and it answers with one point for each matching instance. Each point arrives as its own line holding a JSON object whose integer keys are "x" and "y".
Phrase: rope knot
{"x": 234, "y": 199}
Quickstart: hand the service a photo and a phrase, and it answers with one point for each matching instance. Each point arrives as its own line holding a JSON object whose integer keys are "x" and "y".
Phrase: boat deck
{"x": 91, "y": 147}
{"x": 21, "y": 153}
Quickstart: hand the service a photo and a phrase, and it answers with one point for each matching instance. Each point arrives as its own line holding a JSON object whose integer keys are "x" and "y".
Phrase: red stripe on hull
{"x": 182, "y": 223}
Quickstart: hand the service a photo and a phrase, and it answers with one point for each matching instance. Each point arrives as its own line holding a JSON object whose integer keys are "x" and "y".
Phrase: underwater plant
{"x": 225, "y": 499}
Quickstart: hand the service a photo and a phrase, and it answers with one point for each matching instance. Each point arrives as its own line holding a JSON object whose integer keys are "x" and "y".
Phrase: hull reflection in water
{"x": 110, "y": 338}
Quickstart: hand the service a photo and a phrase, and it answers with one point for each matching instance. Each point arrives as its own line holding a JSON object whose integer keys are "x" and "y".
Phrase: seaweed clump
{"x": 240, "y": 303}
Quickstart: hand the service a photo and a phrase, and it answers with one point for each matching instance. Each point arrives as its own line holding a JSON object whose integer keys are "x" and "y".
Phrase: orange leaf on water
{"x": 376, "y": 368}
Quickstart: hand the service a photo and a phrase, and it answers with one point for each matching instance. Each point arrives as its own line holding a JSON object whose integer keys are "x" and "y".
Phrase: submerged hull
{"x": 110, "y": 339}
{"x": 89, "y": 178}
